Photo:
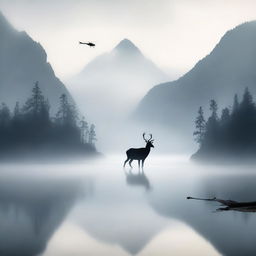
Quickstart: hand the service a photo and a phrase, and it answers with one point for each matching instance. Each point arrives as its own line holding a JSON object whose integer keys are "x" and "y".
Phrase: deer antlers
{"x": 149, "y": 140}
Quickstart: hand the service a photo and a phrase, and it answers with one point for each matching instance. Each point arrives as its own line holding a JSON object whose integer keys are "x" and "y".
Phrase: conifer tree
{"x": 247, "y": 101}
{"x": 214, "y": 109}
{"x": 92, "y": 135}
{"x": 67, "y": 114}
{"x": 84, "y": 130}
{"x": 225, "y": 116}
{"x": 16, "y": 112}
{"x": 235, "y": 104}
{"x": 35, "y": 103}
{"x": 5, "y": 115}
{"x": 200, "y": 126}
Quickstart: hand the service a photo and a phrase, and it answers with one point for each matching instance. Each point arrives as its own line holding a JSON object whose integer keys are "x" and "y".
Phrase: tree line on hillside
{"x": 230, "y": 135}
{"x": 30, "y": 128}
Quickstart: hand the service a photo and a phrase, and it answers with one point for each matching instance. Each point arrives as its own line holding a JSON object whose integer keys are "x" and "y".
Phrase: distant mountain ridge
{"x": 22, "y": 63}
{"x": 228, "y": 69}
{"x": 117, "y": 79}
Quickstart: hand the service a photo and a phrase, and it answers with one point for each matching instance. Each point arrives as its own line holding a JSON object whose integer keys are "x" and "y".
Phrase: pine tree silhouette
{"x": 200, "y": 126}
{"x": 234, "y": 134}
{"x": 31, "y": 127}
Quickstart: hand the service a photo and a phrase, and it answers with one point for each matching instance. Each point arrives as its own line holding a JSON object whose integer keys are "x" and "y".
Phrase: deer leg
{"x": 130, "y": 162}
{"x": 139, "y": 164}
{"x": 143, "y": 165}
{"x": 125, "y": 162}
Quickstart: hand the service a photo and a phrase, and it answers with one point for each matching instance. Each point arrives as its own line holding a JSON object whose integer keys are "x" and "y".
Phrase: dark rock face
{"x": 22, "y": 63}
{"x": 227, "y": 70}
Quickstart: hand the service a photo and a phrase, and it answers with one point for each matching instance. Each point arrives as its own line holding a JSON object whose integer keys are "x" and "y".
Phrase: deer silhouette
{"x": 139, "y": 154}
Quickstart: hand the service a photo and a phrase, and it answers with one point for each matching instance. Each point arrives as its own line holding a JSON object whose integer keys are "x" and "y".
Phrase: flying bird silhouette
{"x": 89, "y": 44}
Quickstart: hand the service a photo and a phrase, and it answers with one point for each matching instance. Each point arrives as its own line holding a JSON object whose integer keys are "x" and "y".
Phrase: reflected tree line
{"x": 232, "y": 134}
{"x": 30, "y": 127}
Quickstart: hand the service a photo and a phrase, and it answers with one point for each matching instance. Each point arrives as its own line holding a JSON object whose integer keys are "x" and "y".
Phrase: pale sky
{"x": 174, "y": 34}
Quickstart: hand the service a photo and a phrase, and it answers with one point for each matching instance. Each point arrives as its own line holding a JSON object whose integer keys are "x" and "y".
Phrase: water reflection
{"x": 122, "y": 219}
{"x": 31, "y": 209}
{"x": 231, "y": 233}
{"x": 117, "y": 215}
{"x": 137, "y": 179}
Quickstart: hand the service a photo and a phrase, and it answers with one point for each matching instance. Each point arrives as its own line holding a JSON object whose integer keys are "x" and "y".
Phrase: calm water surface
{"x": 100, "y": 209}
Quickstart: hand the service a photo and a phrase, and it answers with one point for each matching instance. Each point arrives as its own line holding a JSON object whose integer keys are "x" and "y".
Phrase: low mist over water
{"x": 100, "y": 208}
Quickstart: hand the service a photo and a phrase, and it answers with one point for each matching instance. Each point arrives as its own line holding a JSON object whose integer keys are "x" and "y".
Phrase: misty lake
{"x": 98, "y": 208}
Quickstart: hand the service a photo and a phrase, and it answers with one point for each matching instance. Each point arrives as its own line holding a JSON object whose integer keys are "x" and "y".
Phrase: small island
{"x": 30, "y": 132}
{"x": 230, "y": 137}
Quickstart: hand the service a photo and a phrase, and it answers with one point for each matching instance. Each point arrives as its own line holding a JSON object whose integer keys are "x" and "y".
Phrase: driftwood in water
{"x": 231, "y": 205}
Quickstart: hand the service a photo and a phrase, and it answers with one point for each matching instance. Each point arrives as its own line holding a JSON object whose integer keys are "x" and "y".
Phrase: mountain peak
{"x": 127, "y": 46}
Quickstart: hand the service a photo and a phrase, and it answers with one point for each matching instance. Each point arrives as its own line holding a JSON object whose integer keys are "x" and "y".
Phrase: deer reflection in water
{"x": 137, "y": 179}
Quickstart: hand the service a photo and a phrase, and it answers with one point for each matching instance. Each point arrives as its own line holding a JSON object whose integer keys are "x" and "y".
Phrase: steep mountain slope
{"x": 227, "y": 70}
{"x": 113, "y": 82}
{"x": 22, "y": 63}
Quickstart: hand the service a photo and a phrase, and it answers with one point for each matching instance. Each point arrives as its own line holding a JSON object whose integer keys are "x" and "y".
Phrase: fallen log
{"x": 231, "y": 205}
